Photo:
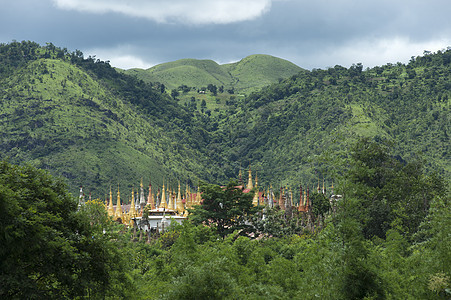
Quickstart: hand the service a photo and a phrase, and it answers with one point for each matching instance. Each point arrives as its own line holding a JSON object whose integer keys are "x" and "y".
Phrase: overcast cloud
{"x": 311, "y": 34}
{"x": 163, "y": 11}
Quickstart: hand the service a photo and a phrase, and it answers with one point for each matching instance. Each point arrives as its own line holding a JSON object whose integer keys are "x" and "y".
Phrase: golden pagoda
{"x": 179, "y": 204}
{"x": 163, "y": 203}
{"x": 118, "y": 213}
{"x": 198, "y": 197}
{"x": 255, "y": 199}
{"x": 170, "y": 202}
{"x": 110, "y": 205}
{"x": 150, "y": 198}
{"x": 188, "y": 200}
{"x": 132, "y": 213}
{"x": 250, "y": 186}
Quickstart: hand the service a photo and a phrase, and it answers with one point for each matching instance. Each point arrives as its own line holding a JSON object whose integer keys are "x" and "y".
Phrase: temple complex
{"x": 160, "y": 207}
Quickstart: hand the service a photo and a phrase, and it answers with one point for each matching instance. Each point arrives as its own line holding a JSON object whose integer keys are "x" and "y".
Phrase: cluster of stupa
{"x": 287, "y": 199}
{"x": 176, "y": 204}
{"x": 167, "y": 201}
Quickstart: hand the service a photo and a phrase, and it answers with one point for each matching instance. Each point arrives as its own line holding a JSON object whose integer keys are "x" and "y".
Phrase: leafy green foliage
{"x": 386, "y": 191}
{"x": 226, "y": 208}
{"x": 320, "y": 204}
{"x": 49, "y": 250}
{"x": 81, "y": 119}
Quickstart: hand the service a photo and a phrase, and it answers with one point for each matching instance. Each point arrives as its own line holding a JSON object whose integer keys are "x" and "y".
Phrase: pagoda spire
{"x": 281, "y": 199}
{"x": 118, "y": 205}
{"x": 188, "y": 202}
{"x": 132, "y": 212}
{"x": 255, "y": 199}
{"x": 318, "y": 189}
{"x": 169, "y": 196}
{"x": 324, "y": 187}
{"x": 163, "y": 203}
{"x": 110, "y": 205}
{"x": 198, "y": 197}
{"x": 142, "y": 199}
{"x": 301, "y": 200}
{"x": 250, "y": 186}
{"x": 179, "y": 203}
{"x": 174, "y": 200}
{"x": 157, "y": 200}
{"x": 150, "y": 199}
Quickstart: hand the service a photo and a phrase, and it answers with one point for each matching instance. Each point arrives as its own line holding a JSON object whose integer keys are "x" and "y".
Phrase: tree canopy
{"x": 384, "y": 191}
{"x": 48, "y": 248}
{"x": 226, "y": 208}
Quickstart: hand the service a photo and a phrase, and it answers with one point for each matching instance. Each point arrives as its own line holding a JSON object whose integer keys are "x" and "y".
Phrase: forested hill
{"x": 286, "y": 126}
{"x": 81, "y": 119}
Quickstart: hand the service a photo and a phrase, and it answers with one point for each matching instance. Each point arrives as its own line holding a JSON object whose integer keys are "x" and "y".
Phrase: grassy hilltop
{"x": 246, "y": 75}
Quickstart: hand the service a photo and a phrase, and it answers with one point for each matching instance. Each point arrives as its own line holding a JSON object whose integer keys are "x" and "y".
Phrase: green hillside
{"x": 256, "y": 71}
{"x": 299, "y": 128}
{"x": 81, "y": 119}
{"x": 191, "y": 72}
{"x": 250, "y": 73}
{"x": 57, "y": 114}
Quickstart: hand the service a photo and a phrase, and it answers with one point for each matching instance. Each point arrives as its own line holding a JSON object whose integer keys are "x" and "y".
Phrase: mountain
{"x": 298, "y": 128}
{"x": 81, "y": 119}
{"x": 250, "y": 73}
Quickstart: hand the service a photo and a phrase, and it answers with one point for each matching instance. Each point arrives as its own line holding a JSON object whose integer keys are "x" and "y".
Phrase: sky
{"x": 310, "y": 33}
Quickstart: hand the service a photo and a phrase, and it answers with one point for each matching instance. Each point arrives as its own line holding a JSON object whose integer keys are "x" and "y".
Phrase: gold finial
{"x": 118, "y": 205}
{"x": 163, "y": 203}
{"x": 110, "y": 205}
{"x": 250, "y": 185}
{"x": 179, "y": 203}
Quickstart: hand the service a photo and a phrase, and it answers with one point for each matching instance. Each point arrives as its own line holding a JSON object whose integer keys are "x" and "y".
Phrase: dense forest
{"x": 388, "y": 238}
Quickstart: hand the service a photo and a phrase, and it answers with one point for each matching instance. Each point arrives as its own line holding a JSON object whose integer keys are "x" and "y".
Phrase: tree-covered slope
{"x": 286, "y": 126}
{"x": 250, "y": 73}
{"x": 80, "y": 118}
{"x": 84, "y": 121}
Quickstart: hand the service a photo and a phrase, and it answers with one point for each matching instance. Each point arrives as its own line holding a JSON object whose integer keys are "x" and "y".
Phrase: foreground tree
{"x": 226, "y": 208}
{"x": 384, "y": 191}
{"x": 48, "y": 248}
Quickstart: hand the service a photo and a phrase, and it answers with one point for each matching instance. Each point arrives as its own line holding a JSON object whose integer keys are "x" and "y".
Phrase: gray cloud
{"x": 184, "y": 11}
{"x": 312, "y": 34}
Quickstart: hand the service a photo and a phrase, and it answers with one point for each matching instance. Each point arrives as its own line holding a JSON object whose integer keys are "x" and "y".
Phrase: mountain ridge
{"x": 81, "y": 119}
{"x": 201, "y": 72}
